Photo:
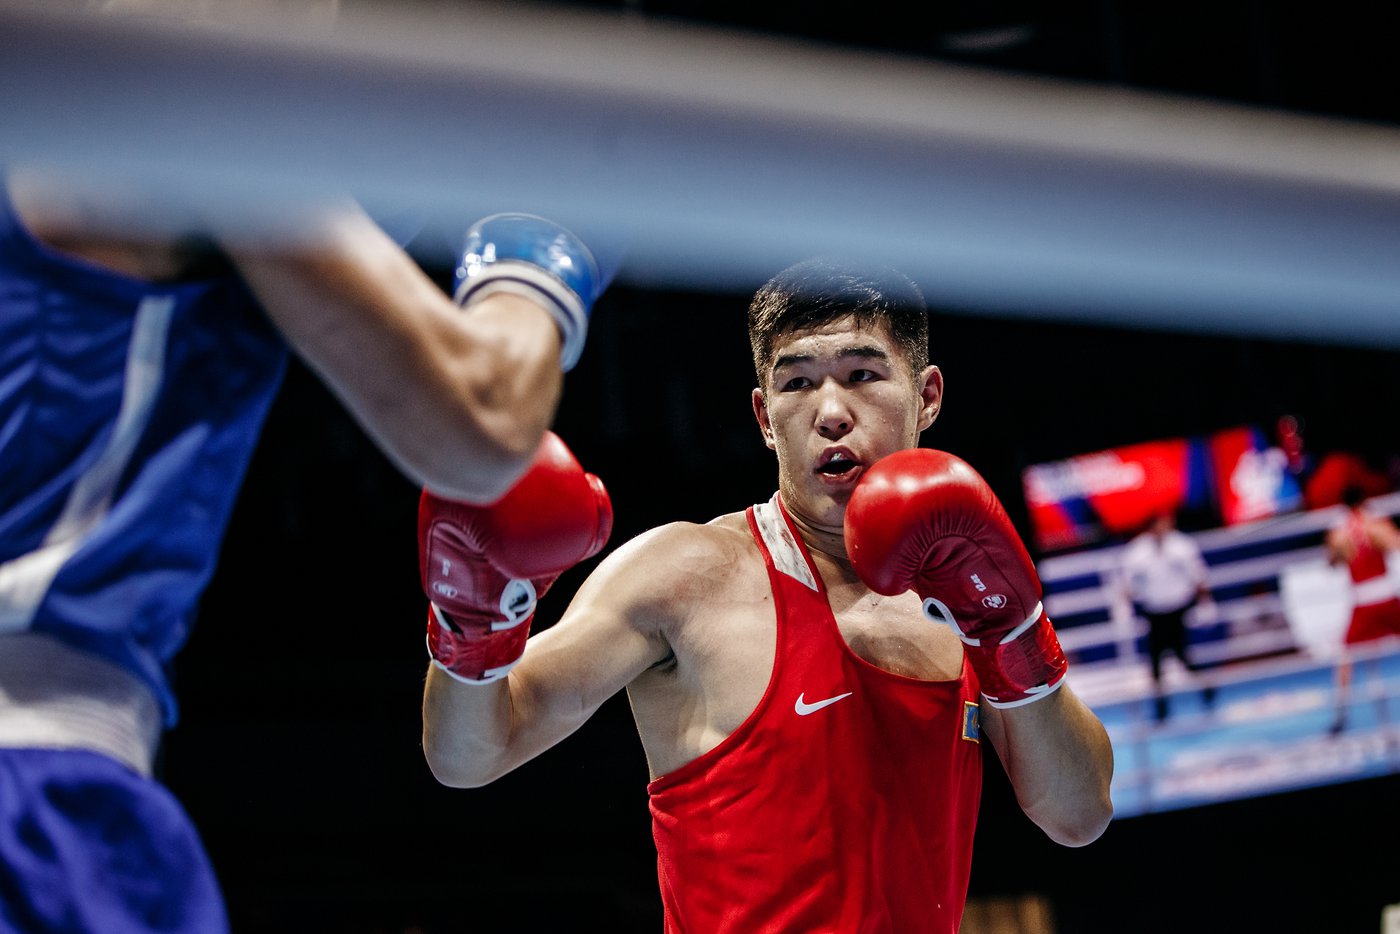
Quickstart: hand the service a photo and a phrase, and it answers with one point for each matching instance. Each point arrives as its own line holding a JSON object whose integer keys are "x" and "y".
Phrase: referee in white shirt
{"x": 1165, "y": 576}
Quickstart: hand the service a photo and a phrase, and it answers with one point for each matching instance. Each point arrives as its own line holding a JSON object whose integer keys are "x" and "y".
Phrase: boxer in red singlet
{"x": 1361, "y": 542}
{"x": 811, "y": 678}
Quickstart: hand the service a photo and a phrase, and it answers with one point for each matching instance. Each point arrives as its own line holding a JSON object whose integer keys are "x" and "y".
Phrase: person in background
{"x": 1361, "y": 542}
{"x": 1165, "y": 576}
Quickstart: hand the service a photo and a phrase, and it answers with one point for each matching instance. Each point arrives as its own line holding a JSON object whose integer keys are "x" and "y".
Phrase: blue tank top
{"x": 129, "y": 412}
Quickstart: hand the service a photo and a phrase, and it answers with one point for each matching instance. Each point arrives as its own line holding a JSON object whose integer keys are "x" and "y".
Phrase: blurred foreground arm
{"x": 459, "y": 401}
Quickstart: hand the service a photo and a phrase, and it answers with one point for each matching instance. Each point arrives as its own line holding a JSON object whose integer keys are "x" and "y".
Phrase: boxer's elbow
{"x": 488, "y": 428}
{"x": 451, "y": 775}
{"x": 456, "y": 766}
{"x": 480, "y": 465}
{"x": 462, "y": 448}
{"x": 1079, "y": 824}
{"x": 462, "y": 751}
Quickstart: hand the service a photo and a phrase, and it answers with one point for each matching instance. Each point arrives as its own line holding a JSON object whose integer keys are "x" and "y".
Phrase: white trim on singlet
{"x": 787, "y": 556}
{"x": 25, "y": 580}
{"x": 1371, "y": 592}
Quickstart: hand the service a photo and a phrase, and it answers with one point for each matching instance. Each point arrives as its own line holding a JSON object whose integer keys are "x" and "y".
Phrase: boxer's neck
{"x": 828, "y": 542}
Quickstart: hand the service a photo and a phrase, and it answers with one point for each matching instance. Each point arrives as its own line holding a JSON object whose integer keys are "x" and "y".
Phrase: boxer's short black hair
{"x": 820, "y": 290}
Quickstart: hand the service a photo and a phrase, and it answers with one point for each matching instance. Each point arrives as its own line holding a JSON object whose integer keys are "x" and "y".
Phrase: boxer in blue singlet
{"x": 135, "y": 375}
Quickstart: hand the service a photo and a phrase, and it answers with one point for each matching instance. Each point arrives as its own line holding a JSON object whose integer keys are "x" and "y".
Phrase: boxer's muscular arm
{"x": 611, "y": 632}
{"x": 1059, "y": 760}
{"x": 458, "y": 400}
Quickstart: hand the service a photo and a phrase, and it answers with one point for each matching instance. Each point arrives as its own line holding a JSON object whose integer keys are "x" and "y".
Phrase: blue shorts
{"x": 89, "y": 847}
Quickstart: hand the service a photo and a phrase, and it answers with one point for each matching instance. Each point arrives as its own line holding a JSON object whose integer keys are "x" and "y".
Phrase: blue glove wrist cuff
{"x": 539, "y": 259}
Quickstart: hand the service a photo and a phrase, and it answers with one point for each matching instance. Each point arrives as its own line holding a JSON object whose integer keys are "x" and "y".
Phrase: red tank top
{"x": 846, "y": 802}
{"x": 1368, "y": 562}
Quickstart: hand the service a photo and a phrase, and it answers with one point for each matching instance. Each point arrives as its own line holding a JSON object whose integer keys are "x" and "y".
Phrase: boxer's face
{"x": 838, "y": 398}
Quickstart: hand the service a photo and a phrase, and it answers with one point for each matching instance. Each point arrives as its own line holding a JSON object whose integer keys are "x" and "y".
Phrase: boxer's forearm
{"x": 1060, "y": 763}
{"x": 459, "y": 401}
{"x": 466, "y": 730}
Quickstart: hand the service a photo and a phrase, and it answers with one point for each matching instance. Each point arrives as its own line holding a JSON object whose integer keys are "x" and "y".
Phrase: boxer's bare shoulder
{"x": 702, "y": 590}
{"x": 674, "y": 571}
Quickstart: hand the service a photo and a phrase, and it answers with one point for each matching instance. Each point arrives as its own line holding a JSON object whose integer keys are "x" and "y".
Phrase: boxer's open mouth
{"x": 837, "y": 463}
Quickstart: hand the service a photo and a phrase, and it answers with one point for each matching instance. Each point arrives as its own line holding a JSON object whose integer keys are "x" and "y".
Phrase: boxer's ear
{"x": 760, "y": 412}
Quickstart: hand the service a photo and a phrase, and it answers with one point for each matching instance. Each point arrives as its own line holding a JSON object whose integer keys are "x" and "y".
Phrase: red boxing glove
{"x": 483, "y": 567}
{"x": 924, "y": 520}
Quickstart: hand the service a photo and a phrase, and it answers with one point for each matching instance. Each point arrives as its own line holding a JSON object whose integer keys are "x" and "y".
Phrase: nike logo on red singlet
{"x": 803, "y": 708}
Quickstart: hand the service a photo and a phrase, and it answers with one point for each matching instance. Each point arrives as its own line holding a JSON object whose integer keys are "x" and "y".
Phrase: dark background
{"x": 298, "y": 753}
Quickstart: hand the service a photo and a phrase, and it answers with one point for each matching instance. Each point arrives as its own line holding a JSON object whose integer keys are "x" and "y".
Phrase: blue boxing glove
{"x": 536, "y": 258}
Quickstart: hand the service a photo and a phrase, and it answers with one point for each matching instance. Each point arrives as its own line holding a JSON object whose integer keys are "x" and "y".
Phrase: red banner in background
{"x": 1234, "y": 473}
{"x": 1083, "y": 499}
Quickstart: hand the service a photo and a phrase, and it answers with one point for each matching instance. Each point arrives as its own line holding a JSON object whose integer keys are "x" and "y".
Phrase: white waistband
{"x": 56, "y": 697}
{"x": 1375, "y": 590}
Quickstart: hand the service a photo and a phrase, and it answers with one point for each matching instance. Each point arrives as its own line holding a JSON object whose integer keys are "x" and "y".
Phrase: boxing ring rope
{"x": 722, "y": 156}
